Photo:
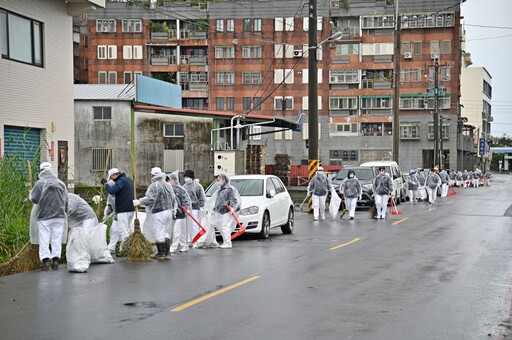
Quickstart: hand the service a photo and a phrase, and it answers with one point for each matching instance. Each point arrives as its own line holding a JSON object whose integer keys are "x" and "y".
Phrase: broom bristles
{"x": 26, "y": 260}
{"x": 136, "y": 247}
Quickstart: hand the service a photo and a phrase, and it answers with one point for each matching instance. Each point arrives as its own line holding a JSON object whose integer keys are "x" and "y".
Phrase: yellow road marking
{"x": 220, "y": 291}
{"x": 402, "y": 220}
{"x": 450, "y": 202}
{"x": 346, "y": 244}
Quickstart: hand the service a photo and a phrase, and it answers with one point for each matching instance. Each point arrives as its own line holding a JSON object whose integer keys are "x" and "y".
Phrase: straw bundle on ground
{"x": 136, "y": 247}
{"x": 26, "y": 260}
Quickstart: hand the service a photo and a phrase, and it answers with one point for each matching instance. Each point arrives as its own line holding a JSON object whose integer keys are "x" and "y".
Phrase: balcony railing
{"x": 171, "y": 34}
{"x": 193, "y": 60}
{"x": 163, "y": 61}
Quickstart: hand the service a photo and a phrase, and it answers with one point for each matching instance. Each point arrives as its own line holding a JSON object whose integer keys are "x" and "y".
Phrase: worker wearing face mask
{"x": 382, "y": 187}
{"x": 197, "y": 197}
{"x": 319, "y": 186}
{"x": 352, "y": 190}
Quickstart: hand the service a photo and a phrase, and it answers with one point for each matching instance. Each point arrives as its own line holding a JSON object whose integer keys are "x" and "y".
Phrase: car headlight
{"x": 250, "y": 211}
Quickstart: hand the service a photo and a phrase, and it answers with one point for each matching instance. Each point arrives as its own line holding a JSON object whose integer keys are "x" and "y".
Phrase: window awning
{"x": 223, "y": 115}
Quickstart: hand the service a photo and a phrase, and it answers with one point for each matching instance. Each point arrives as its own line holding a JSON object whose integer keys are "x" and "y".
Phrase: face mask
{"x": 350, "y": 176}
{"x": 188, "y": 180}
{"x": 382, "y": 172}
{"x": 320, "y": 172}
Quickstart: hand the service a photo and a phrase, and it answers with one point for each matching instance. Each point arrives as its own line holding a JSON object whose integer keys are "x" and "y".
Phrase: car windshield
{"x": 361, "y": 174}
{"x": 246, "y": 187}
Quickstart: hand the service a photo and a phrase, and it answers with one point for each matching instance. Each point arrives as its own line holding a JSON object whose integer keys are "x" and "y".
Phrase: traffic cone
{"x": 393, "y": 206}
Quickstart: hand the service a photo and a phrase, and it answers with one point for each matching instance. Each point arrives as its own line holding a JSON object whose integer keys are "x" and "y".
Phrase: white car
{"x": 266, "y": 204}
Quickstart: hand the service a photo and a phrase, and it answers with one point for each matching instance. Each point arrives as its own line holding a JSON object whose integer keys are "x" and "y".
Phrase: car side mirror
{"x": 271, "y": 193}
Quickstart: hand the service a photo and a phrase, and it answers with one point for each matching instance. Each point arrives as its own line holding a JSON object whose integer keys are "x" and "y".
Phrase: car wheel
{"x": 265, "y": 226}
{"x": 290, "y": 224}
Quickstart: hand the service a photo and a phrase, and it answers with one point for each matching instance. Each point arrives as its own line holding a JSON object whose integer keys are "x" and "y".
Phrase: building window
{"x": 445, "y": 131}
{"x": 255, "y": 130}
{"x": 346, "y": 49}
{"x": 102, "y": 51}
{"x": 224, "y": 78}
{"x": 247, "y": 25}
{"x": 112, "y": 77}
{"x": 102, "y": 112}
{"x": 127, "y": 77}
{"x": 414, "y": 47}
{"x": 278, "y": 24}
{"x": 219, "y": 104}
{"x": 127, "y": 52}
{"x": 99, "y": 159}
{"x": 343, "y": 155}
{"x": 410, "y": 130}
{"x": 230, "y": 25}
{"x": 305, "y": 103}
{"x": 378, "y": 22}
{"x": 251, "y": 51}
{"x": 247, "y": 103}
{"x": 230, "y": 103}
{"x": 174, "y": 130}
{"x": 283, "y": 103}
{"x": 376, "y": 129}
{"x": 343, "y": 105}
{"x": 102, "y": 77}
{"x": 376, "y": 105}
{"x": 285, "y": 76}
{"x": 257, "y": 25}
{"x": 132, "y": 25}
{"x": 220, "y": 25}
{"x": 423, "y": 103}
{"x": 257, "y": 103}
{"x": 251, "y": 77}
{"x": 112, "y": 52}
{"x": 21, "y": 39}
{"x": 344, "y": 77}
{"x": 411, "y": 74}
{"x": 106, "y": 25}
{"x": 289, "y": 24}
{"x": 224, "y": 52}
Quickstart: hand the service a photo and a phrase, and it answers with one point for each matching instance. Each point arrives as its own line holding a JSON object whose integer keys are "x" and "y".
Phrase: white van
{"x": 394, "y": 171}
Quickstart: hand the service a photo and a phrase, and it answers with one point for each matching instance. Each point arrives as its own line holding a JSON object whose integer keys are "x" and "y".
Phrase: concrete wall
{"x": 42, "y": 97}
{"x": 149, "y": 141}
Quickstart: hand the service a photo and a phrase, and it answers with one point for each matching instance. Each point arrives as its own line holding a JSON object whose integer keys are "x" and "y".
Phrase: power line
{"x": 486, "y": 26}
{"x": 490, "y": 38}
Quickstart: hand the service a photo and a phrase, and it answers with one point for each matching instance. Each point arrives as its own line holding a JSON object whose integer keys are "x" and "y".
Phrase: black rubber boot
{"x": 161, "y": 251}
{"x": 55, "y": 263}
{"x": 167, "y": 246}
{"x": 45, "y": 265}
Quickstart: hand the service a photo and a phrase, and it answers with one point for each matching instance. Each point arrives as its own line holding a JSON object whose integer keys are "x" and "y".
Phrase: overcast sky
{"x": 492, "y": 49}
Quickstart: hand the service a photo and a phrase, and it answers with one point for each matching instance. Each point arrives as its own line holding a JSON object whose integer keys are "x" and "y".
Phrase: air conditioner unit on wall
{"x": 298, "y": 53}
{"x": 434, "y": 56}
{"x": 407, "y": 55}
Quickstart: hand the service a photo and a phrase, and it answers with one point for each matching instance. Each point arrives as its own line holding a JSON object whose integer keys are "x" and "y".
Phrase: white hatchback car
{"x": 266, "y": 203}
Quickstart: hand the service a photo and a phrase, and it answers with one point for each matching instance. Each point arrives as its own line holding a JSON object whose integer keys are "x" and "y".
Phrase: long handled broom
{"x": 201, "y": 232}
{"x": 241, "y": 228}
{"x": 136, "y": 247}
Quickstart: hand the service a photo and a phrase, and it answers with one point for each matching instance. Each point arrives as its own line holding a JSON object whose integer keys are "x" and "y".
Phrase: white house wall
{"x": 38, "y": 97}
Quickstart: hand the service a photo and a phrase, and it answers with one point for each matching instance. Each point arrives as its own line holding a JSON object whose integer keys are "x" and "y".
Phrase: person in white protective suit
{"x": 197, "y": 197}
{"x": 179, "y": 229}
{"x": 116, "y": 234}
{"x": 80, "y": 214}
{"x": 476, "y": 178}
{"x": 413, "y": 185}
{"x": 445, "y": 180}
{"x": 223, "y": 218}
{"x": 159, "y": 201}
{"x": 465, "y": 179}
{"x": 487, "y": 178}
{"x": 51, "y": 196}
{"x": 458, "y": 179}
{"x": 382, "y": 187}
{"x": 121, "y": 187}
{"x": 319, "y": 186}
{"x": 351, "y": 188}
{"x": 433, "y": 182}
{"x": 208, "y": 239}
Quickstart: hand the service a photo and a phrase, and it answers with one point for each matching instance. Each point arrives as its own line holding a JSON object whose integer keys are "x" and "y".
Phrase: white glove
{"x": 202, "y": 212}
{"x": 174, "y": 212}
{"x": 136, "y": 203}
{"x": 360, "y": 197}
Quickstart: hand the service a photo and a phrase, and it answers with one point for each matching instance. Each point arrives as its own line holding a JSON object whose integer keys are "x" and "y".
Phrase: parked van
{"x": 394, "y": 172}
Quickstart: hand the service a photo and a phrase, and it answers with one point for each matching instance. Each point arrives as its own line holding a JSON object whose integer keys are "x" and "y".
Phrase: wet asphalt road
{"x": 445, "y": 272}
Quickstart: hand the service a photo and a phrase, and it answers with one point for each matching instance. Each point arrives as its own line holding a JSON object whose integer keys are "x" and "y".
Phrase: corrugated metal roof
{"x": 104, "y": 92}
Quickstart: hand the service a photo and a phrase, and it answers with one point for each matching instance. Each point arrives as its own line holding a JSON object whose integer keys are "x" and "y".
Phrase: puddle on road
{"x": 141, "y": 304}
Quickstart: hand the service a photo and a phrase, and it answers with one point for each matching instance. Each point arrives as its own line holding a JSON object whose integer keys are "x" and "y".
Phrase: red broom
{"x": 452, "y": 192}
{"x": 241, "y": 229}
{"x": 396, "y": 212}
{"x": 201, "y": 232}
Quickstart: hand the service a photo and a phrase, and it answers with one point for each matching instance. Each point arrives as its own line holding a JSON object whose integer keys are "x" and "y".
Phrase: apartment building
{"x": 167, "y": 42}
{"x": 36, "y": 91}
{"x": 251, "y": 57}
{"x": 476, "y": 107}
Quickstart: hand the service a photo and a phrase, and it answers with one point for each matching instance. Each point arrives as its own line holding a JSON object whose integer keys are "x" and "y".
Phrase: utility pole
{"x": 396, "y": 92}
{"x": 312, "y": 91}
{"x": 441, "y": 153}
{"x": 436, "y": 110}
